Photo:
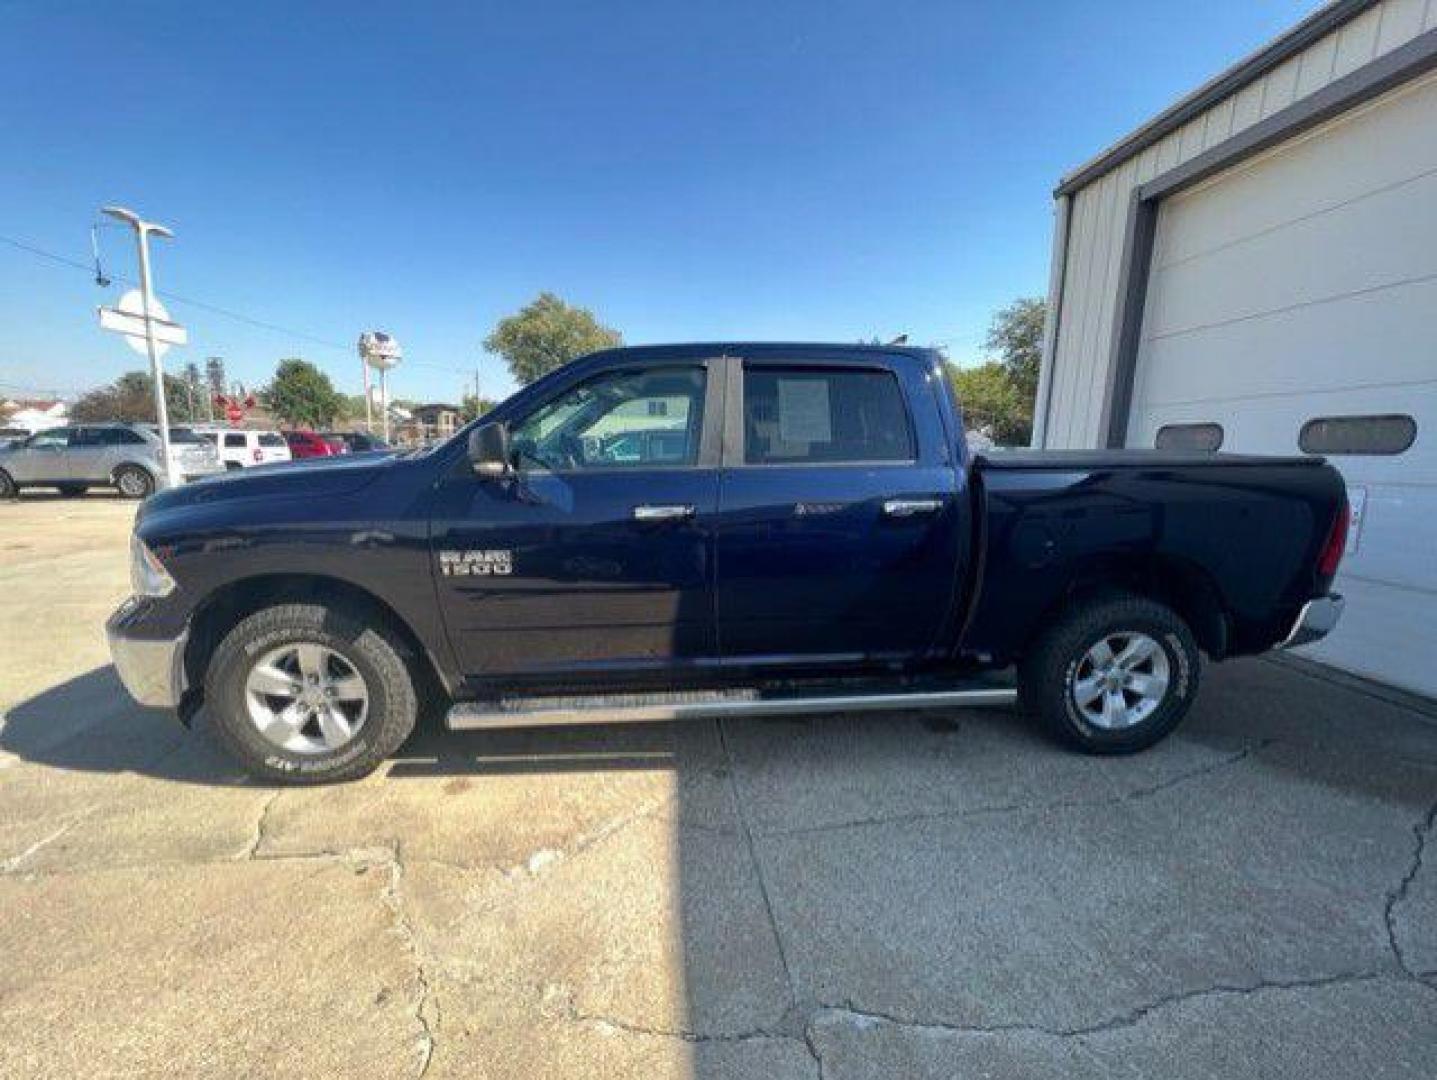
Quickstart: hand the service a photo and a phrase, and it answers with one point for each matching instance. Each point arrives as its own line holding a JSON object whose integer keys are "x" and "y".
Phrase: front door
{"x": 841, "y": 533}
{"x": 41, "y": 459}
{"x": 595, "y": 557}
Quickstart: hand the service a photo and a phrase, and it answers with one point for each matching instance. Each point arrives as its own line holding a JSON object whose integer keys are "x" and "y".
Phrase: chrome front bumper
{"x": 153, "y": 671}
{"x": 1315, "y": 621}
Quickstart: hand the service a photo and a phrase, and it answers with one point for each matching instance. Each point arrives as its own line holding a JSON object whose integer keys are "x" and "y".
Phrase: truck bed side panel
{"x": 1248, "y": 530}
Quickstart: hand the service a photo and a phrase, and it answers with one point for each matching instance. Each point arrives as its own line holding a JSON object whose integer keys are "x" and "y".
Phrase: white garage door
{"x": 1303, "y": 285}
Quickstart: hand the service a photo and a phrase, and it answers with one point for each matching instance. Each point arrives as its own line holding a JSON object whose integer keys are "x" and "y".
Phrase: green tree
{"x": 992, "y": 404}
{"x": 472, "y": 407}
{"x": 301, "y": 394}
{"x": 546, "y": 334}
{"x": 1015, "y": 339}
{"x": 131, "y": 398}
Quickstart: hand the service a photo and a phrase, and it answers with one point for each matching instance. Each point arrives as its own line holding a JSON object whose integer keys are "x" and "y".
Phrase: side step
{"x": 710, "y": 705}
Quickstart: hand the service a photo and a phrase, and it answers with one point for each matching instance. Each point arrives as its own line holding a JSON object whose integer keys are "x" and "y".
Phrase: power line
{"x": 240, "y": 317}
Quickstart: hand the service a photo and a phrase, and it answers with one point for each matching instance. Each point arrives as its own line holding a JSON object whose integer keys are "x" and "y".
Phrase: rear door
{"x": 841, "y": 530}
{"x": 596, "y": 557}
{"x": 86, "y": 455}
{"x": 271, "y": 447}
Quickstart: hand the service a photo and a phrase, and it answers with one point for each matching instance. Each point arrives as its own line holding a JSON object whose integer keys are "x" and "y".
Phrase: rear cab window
{"x": 811, "y": 414}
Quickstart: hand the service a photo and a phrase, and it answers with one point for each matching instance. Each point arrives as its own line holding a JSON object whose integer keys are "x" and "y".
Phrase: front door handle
{"x": 905, "y": 508}
{"x": 663, "y": 512}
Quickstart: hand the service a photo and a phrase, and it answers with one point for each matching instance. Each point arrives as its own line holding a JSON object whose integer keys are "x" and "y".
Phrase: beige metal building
{"x": 1256, "y": 270}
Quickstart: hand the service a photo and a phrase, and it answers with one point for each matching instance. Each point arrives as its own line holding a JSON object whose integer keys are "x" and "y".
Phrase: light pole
{"x": 143, "y": 229}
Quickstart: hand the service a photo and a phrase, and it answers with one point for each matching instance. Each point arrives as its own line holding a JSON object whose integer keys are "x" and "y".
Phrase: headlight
{"x": 148, "y": 576}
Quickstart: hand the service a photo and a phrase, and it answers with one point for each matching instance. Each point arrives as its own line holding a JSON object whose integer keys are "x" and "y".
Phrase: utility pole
{"x": 210, "y": 389}
{"x": 143, "y": 229}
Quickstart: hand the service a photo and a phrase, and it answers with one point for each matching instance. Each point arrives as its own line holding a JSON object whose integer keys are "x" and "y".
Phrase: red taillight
{"x": 1336, "y": 542}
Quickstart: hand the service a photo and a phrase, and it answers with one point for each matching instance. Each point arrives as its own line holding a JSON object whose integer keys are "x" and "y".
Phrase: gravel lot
{"x": 940, "y": 896}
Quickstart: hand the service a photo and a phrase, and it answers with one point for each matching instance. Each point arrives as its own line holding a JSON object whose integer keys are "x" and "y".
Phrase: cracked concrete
{"x": 1411, "y": 908}
{"x": 841, "y": 897}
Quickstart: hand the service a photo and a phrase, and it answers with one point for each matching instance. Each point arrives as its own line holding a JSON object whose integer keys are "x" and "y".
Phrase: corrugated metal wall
{"x": 1098, "y": 215}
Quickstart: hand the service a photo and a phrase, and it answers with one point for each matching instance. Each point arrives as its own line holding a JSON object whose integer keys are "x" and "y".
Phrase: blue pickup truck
{"x": 711, "y": 531}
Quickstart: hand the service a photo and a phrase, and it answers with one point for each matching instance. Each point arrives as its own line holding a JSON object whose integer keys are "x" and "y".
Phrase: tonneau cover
{"x": 1126, "y": 459}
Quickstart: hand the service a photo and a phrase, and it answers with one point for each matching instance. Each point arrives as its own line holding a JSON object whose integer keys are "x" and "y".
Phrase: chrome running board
{"x": 710, "y": 705}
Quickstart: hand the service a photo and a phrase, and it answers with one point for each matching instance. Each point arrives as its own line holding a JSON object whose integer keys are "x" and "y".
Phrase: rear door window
{"x": 235, "y": 439}
{"x": 813, "y": 415}
{"x": 269, "y": 438}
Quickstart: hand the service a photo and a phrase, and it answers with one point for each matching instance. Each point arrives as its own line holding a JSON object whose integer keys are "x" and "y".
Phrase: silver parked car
{"x": 81, "y": 456}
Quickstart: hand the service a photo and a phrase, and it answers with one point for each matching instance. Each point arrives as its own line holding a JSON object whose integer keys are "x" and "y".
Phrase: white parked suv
{"x": 241, "y": 449}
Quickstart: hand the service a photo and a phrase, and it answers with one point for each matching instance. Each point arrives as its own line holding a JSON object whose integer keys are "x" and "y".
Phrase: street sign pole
{"x": 150, "y": 309}
{"x": 162, "y": 412}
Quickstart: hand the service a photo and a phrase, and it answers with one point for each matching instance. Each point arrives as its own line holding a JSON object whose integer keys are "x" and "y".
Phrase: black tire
{"x": 71, "y": 491}
{"x": 232, "y": 466}
{"x": 372, "y": 650}
{"x": 134, "y": 482}
{"x": 1048, "y": 675}
{"x": 8, "y": 488}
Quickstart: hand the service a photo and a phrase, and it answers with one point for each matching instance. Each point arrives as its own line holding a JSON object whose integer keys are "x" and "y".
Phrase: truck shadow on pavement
{"x": 90, "y": 724}
{"x": 862, "y": 895}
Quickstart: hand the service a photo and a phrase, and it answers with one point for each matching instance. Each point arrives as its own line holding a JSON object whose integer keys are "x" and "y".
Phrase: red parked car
{"x": 306, "y": 444}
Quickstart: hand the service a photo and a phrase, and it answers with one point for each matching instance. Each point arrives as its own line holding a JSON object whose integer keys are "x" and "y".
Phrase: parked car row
{"x": 127, "y": 457}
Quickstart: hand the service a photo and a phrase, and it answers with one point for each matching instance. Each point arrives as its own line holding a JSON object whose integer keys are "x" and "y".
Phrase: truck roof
{"x": 796, "y": 349}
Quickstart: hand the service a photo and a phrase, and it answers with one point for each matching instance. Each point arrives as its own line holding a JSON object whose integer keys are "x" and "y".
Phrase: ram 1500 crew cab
{"x": 699, "y": 531}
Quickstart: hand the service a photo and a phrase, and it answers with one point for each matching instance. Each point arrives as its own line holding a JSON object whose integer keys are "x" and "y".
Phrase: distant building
{"x": 435, "y": 421}
{"x": 33, "y": 414}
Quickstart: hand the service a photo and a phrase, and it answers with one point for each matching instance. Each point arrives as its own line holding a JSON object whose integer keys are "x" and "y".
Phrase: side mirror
{"x": 489, "y": 450}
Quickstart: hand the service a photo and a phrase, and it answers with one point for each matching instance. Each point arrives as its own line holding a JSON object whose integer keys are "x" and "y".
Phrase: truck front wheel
{"x": 307, "y": 694}
{"x": 1113, "y": 675}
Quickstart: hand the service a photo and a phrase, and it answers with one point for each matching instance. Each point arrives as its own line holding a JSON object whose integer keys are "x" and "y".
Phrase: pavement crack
{"x": 757, "y": 863}
{"x": 573, "y": 1014}
{"x": 850, "y": 1012}
{"x": 811, "y": 1043}
{"x": 1134, "y": 795}
{"x": 261, "y": 824}
{"x": 1420, "y": 832}
{"x": 426, "y": 1012}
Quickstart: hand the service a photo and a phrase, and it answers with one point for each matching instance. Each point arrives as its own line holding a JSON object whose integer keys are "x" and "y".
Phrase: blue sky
{"x": 689, "y": 171}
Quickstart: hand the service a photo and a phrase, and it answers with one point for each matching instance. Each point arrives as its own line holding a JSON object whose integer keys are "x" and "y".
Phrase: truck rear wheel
{"x": 134, "y": 482}
{"x": 1113, "y": 675}
{"x": 306, "y": 694}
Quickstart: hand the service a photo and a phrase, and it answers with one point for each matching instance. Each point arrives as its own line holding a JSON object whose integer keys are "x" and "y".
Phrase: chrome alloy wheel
{"x": 306, "y": 698}
{"x": 1121, "y": 680}
{"x": 132, "y": 483}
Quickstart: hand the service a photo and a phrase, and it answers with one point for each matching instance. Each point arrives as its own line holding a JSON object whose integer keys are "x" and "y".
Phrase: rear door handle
{"x": 663, "y": 512}
{"x": 904, "y": 508}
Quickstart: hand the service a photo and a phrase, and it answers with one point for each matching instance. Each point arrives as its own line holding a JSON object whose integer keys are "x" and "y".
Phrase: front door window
{"x": 621, "y": 419}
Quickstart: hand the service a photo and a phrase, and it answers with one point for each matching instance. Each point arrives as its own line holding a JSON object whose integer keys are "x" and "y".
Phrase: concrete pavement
{"x": 841, "y": 897}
